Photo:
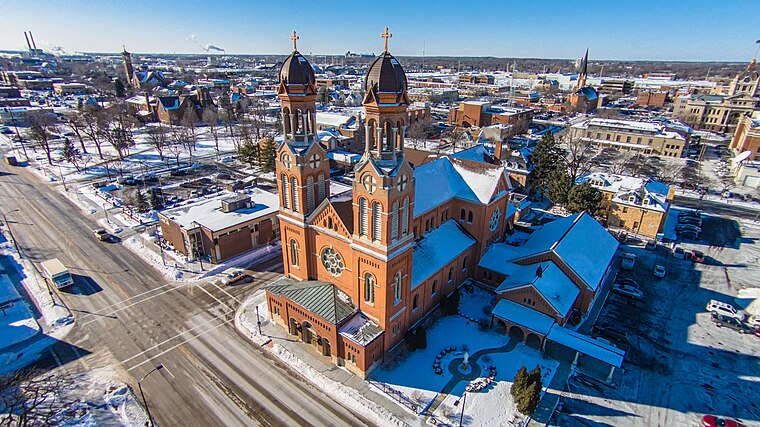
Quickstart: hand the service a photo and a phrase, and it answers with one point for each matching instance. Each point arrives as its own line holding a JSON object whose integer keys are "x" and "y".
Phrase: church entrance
{"x": 293, "y": 327}
{"x": 309, "y": 335}
{"x": 325, "y": 347}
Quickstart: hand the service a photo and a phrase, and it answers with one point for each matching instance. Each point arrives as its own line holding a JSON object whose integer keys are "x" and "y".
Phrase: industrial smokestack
{"x": 32, "y": 37}
{"x": 29, "y": 45}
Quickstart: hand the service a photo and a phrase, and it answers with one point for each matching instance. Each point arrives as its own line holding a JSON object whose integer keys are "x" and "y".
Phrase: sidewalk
{"x": 342, "y": 385}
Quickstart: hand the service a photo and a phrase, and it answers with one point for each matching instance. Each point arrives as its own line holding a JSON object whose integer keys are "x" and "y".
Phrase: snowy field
{"x": 412, "y": 374}
{"x": 680, "y": 366}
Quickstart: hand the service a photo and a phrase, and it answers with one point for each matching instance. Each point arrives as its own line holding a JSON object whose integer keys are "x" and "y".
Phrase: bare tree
{"x": 157, "y": 136}
{"x": 41, "y": 126}
{"x": 31, "y": 398}
{"x": 212, "y": 120}
{"x": 90, "y": 120}
{"x": 579, "y": 156}
{"x": 75, "y": 122}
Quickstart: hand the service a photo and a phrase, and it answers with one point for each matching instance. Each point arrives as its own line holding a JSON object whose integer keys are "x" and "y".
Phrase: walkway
{"x": 472, "y": 375}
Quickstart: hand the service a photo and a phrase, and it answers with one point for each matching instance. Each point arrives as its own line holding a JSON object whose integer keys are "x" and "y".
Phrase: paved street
{"x": 718, "y": 208}
{"x": 128, "y": 313}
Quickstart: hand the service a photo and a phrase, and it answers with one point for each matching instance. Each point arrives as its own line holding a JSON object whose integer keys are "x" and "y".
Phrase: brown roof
{"x": 385, "y": 72}
{"x": 296, "y": 70}
{"x": 345, "y": 211}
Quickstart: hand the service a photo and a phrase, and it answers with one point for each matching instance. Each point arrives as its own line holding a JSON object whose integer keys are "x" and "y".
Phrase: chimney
{"x": 499, "y": 149}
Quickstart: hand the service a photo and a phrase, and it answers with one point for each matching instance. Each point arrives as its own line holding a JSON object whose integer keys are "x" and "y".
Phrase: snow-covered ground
{"x": 17, "y": 322}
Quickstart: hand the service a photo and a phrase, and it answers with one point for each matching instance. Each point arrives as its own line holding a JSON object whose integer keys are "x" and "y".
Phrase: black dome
{"x": 296, "y": 70}
{"x": 385, "y": 72}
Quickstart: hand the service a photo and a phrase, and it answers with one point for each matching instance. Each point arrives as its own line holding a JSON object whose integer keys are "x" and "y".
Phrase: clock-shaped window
{"x": 494, "y": 222}
{"x": 370, "y": 183}
{"x": 332, "y": 261}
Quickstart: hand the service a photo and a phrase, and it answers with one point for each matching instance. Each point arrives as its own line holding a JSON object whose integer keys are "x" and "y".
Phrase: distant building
{"x": 652, "y": 98}
{"x": 481, "y": 114}
{"x": 747, "y": 136}
{"x": 720, "y": 113}
{"x": 637, "y": 205}
{"x": 643, "y": 137}
{"x": 142, "y": 78}
{"x": 616, "y": 86}
{"x": 223, "y": 226}
{"x": 433, "y": 95}
{"x": 585, "y": 98}
{"x": 70, "y": 88}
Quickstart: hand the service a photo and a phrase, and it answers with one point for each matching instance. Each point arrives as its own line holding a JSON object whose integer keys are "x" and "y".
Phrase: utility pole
{"x": 10, "y": 232}
{"x": 145, "y": 403}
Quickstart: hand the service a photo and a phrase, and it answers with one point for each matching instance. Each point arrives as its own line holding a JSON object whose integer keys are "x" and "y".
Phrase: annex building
{"x": 625, "y": 135}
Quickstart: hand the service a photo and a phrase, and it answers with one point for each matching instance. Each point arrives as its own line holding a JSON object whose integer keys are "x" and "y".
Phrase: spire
{"x": 295, "y": 38}
{"x": 386, "y": 35}
{"x": 584, "y": 71}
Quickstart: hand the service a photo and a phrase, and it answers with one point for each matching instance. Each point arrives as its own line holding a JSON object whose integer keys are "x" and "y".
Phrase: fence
{"x": 396, "y": 395}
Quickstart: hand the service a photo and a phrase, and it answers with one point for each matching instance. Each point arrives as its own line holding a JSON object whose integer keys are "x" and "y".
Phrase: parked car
{"x": 690, "y": 220}
{"x": 629, "y": 261}
{"x": 754, "y": 321}
{"x": 628, "y": 282}
{"x": 689, "y": 235}
{"x": 693, "y": 214}
{"x": 610, "y": 332}
{"x": 659, "y": 271}
{"x": 651, "y": 245}
{"x": 688, "y": 227}
{"x": 731, "y": 323}
{"x": 235, "y": 275}
{"x": 679, "y": 253}
{"x": 697, "y": 256}
{"x": 714, "y": 421}
{"x": 725, "y": 309}
{"x": 101, "y": 235}
{"x": 628, "y": 291}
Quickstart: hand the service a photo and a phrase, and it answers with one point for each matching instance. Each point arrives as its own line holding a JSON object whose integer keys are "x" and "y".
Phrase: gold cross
{"x": 295, "y": 38}
{"x": 386, "y": 35}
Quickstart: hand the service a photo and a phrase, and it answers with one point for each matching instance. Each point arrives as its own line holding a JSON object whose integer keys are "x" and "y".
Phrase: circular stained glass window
{"x": 332, "y": 261}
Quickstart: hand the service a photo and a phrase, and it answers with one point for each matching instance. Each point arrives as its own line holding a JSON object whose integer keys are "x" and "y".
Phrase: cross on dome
{"x": 386, "y": 35}
{"x": 295, "y": 38}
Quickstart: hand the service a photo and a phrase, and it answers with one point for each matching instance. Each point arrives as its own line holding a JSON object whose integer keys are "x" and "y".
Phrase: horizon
{"x": 699, "y": 31}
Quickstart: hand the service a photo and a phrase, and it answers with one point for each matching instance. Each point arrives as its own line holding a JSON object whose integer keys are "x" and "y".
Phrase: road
{"x": 718, "y": 208}
{"x": 127, "y": 312}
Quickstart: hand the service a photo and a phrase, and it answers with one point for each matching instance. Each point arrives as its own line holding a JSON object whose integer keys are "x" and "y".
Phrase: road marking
{"x": 125, "y": 300}
{"x": 225, "y": 291}
{"x": 217, "y": 299}
{"x": 182, "y": 343}
{"x": 128, "y": 306}
{"x": 174, "y": 337}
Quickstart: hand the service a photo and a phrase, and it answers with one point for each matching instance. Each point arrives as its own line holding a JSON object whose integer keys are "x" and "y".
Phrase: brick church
{"x": 362, "y": 268}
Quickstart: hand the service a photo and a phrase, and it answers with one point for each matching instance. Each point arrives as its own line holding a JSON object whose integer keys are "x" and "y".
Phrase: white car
{"x": 754, "y": 321}
{"x": 629, "y": 261}
{"x": 659, "y": 271}
{"x": 725, "y": 309}
{"x": 628, "y": 291}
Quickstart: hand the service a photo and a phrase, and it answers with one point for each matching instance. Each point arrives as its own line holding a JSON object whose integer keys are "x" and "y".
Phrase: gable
{"x": 326, "y": 216}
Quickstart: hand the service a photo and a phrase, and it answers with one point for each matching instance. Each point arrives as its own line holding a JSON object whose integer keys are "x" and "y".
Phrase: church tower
{"x": 383, "y": 198}
{"x": 584, "y": 72}
{"x": 128, "y": 68}
{"x": 302, "y": 167}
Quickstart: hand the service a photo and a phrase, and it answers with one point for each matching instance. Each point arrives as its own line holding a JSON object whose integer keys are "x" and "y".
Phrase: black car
{"x": 689, "y": 234}
{"x": 651, "y": 245}
{"x": 731, "y": 323}
{"x": 629, "y": 282}
{"x": 610, "y": 332}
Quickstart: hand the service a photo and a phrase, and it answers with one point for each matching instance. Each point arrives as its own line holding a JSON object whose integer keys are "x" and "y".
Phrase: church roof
{"x": 437, "y": 249}
{"x": 296, "y": 70}
{"x": 361, "y": 330}
{"x": 321, "y": 298}
{"x": 552, "y": 284}
{"x": 386, "y": 74}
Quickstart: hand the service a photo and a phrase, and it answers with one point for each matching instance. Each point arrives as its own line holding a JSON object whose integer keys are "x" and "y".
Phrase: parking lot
{"x": 679, "y": 365}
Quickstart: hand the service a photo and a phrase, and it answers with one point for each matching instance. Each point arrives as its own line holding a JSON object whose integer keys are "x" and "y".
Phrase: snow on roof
{"x": 333, "y": 119}
{"x": 523, "y": 316}
{"x": 344, "y": 156}
{"x": 8, "y": 292}
{"x": 438, "y": 248}
{"x": 590, "y": 262}
{"x": 648, "y": 194}
{"x": 584, "y": 344}
{"x": 655, "y": 128}
{"x": 553, "y": 285}
{"x": 361, "y": 330}
{"x": 477, "y": 153}
{"x": 446, "y": 178}
{"x": 208, "y": 211}
{"x": 337, "y": 187}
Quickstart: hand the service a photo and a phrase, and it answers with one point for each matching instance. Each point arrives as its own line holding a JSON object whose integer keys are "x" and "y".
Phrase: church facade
{"x": 364, "y": 267}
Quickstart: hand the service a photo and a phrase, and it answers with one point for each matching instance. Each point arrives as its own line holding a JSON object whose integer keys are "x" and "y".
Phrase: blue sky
{"x": 699, "y": 30}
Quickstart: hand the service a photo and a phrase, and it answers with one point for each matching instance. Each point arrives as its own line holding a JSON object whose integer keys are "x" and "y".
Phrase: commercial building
{"x": 70, "y": 88}
{"x": 482, "y": 113}
{"x": 747, "y": 136}
{"x": 636, "y": 205}
{"x": 643, "y": 137}
{"x": 652, "y": 98}
{"x": 222, "y": 226}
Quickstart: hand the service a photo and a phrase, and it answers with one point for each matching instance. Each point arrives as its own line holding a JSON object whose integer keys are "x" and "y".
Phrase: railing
{"x": 396, "y": 395}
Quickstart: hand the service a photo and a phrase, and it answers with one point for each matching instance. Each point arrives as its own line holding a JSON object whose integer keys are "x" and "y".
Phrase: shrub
{"x": 420, "y": 336}
{"x": 450, "y": 304}
{"x": 534, "y": 377}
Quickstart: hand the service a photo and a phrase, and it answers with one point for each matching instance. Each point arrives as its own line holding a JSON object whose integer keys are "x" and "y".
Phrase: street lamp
{"x": 461, "y": 415}
{"x": 10, "y": 232}
{"x": 139, "y": 386}
{"x": 200, "y": 253}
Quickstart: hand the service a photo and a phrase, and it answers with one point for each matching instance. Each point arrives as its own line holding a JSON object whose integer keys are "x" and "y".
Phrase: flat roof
{"x": 207, "y": 211}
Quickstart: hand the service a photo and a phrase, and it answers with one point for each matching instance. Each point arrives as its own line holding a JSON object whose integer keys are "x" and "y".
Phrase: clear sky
{"x": 692, "y": 30}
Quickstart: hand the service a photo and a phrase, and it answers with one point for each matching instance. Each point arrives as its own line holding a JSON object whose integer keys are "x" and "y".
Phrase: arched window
{"x": 469, "y": 217}
{"x": 294, "y": 193}
{"x": 427, "y": 225}
{"x": 321, "y": 187}
{"x": 293, "y": 252}
{"x": 309, "y": 194}
{"x": 405, "y": 217}
{"x": 329, "y": 222}
{"x": 394, "y": 222}
{"x": 451, "y": 273}
{"x": 363, "y": 218}
{"x": 377, "y": 225}
{"x": 284, "y": 192}
{"x": 464, "y": 264}
{"x": 415, "y": 302}
{"x": 434, "y": 289}
{"x": 443, "y": 216}
{"x": 369, "y": 288}
{"x": 461, "y": 215}
{"x": 397, "y": 288}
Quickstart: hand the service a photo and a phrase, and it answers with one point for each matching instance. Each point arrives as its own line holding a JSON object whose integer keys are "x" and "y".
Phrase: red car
{"x": 713, "y": 421}
{"x": 697, "y": 256}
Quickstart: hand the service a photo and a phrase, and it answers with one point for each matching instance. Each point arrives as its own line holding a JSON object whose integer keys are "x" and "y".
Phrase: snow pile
{"x": 245, "y": 319}
{"x": 749, "y": 300}
{"x": 122, "y": 403}
{"x": 346, "y": 395}
{"x": 169, "y": 271}
{"x": 77, "y": 415}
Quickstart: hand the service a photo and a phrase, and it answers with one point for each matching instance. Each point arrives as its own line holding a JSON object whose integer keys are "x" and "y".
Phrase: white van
{"x": 725, "y": 309}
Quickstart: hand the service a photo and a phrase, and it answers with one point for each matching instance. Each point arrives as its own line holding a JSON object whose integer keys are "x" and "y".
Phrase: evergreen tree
{"x": 584, "y": 197}
{"x": 71, "y": 153}
{"x": 529, "y": 399}
{"x": 560, "y": 184}
{"x": 520, "y": 383}
{"x": 154, "y": 200}
{"x": 547, "y": 157}
{"x": 140, "y": 203}
{"x": 420, "y": 336}
{"x": 534, "y": 377}
{"x": 118, "y": 86}
{"x": 247, "y": 152}
{"x": 267, "y": 154}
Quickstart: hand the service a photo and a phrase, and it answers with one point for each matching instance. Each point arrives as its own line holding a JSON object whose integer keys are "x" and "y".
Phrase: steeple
{"x": 584, "y": 72}
{"x": 128, "y": 68}
{"x": 297, "y": 92}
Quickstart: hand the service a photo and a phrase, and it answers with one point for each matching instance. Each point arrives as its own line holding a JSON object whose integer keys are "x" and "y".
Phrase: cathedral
{"x": 364, "y": 267}
{"x": 585, "y": 98}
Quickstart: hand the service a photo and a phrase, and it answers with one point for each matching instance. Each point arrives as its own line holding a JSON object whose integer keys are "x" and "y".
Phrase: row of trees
{"x": 526, "y": 390}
